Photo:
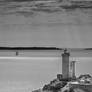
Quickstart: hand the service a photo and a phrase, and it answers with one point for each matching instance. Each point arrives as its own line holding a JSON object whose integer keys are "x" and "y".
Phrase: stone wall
{"x": 82, "y": 87}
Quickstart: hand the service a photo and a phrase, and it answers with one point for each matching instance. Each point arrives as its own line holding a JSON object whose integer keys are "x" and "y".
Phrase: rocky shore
{"x": 83, "y": 82}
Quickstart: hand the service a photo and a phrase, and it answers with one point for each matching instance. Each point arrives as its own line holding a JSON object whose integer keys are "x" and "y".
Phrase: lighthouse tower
{"x": 65, "y": 64}
{"x": 72, "y": 69}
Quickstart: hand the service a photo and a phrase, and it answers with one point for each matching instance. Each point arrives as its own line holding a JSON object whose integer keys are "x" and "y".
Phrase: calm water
{"x": 27, "y": 74}
{"x": 24, "y": 75}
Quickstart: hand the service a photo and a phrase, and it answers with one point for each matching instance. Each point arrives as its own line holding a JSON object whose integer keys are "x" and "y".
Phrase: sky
{"x": 21, "y": 26}
{"x": 20, "y": 31}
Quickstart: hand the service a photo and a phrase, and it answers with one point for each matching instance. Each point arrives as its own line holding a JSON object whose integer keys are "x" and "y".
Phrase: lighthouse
{"x": 65, "y": 64}
{"x": 72, "y": 69}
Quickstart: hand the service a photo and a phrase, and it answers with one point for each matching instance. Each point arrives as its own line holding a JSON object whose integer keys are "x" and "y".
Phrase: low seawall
{"x": 84, "y": 87}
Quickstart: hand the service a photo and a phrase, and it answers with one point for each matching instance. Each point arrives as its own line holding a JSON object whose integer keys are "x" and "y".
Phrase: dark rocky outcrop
{"x": 85, "y": 78}
{"x": 59, "y": 83}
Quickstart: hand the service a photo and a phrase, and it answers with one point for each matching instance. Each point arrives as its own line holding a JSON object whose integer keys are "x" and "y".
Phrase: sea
{"x": 28, "y": 72}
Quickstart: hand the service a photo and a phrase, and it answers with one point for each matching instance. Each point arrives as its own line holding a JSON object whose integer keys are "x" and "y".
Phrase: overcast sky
{"x": 60, "y": 30}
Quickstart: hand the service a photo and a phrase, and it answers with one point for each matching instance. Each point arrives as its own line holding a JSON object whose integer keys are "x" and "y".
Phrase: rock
{"x": 85, "y": 79}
